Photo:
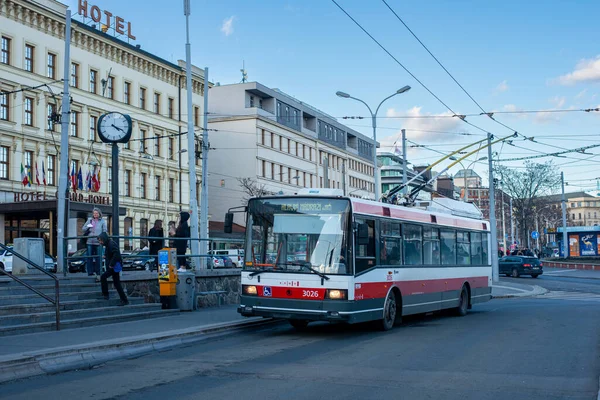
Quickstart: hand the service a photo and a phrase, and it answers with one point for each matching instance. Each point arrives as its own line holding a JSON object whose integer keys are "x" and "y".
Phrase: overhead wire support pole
{"x": 404, "y": 166}
{"x": 63, "y": 192}
{"x": 563, "y": 203}
{"x": 194, "y": 245}
{"x": 204, "y": 193}
{"x": 492, "y": 212}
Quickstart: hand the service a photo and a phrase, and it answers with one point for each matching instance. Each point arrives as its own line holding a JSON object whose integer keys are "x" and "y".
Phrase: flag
{"x": 88, "y": 181}
{"x": 43, "y": 174}
{"x": 96, "y": 179}
{"x": 73, "y": 178}
{"x": 397, "y": 151}
{"x": 29, "y": 176}
{"x": 24, "y": 178}
{"x": 37, "y": 174}
{"x": 80, "y": 180}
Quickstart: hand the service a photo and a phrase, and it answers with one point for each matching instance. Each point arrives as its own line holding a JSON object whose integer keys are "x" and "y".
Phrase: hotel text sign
{"x": 24, "y": 197}
{"x": 96, "y": 15}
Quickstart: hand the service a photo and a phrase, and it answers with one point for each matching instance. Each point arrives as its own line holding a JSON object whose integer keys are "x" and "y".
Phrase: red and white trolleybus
{"x": 320, "y": 256}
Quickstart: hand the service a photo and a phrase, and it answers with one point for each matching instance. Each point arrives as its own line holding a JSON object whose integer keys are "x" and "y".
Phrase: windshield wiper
{"x": 260, "y": 271}
{"x": 309, "y": 267}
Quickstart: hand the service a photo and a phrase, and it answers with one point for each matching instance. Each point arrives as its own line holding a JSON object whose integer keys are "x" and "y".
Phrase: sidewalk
{"x": 502, "y": 290}
{"x": 571, "y": 273}
{"x": 40, "y": 353}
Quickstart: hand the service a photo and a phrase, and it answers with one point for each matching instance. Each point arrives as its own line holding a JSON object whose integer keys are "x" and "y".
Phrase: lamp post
{"x": 465, "y": 196}
{"x": 374, "y": 123}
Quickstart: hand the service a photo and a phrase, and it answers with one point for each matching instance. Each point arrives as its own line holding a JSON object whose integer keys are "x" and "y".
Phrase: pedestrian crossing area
{"x": 570, "y": 296}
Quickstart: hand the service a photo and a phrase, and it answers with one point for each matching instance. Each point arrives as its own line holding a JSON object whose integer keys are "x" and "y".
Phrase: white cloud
{"x": 502, "y": 87}
{"x": 587, "y": 70}
{"x": 558, "y": 102}
{"x": 581, "y": 94}
{"x": 227, "y": 27}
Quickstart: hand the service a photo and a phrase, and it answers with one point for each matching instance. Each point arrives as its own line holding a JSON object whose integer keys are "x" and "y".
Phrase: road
{"x": 524, "y": 348}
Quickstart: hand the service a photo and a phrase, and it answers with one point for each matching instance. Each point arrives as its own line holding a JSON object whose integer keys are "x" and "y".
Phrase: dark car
{"x": 227, "y": 263}
{"x": 77, "y": 264}
{"x": 50, "y": 263}
{"x": 139, "y": 259}
{"x": 516, "y": 266}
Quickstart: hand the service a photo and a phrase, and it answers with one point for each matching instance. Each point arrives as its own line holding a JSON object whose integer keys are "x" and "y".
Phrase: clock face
{"x": 114, "y": 127}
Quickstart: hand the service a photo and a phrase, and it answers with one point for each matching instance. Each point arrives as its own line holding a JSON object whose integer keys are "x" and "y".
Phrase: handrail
{"x": 55, "y": 301}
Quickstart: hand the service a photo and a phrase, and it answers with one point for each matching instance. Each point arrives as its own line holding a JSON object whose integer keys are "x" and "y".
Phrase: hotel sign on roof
{"x": 104, "y": 17}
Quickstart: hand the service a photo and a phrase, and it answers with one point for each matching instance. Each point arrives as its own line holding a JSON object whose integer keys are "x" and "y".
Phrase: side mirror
{"x": 363, "y": 234}
{"x": 228, "y": 225}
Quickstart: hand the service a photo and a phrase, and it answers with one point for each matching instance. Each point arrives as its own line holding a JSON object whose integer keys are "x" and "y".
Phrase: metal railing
{"x": 166, "y": 239}
{"x": 55, "y": 301}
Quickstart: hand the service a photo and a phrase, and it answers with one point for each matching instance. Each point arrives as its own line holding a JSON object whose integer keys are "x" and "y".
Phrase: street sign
{"x": 535, "y": 235}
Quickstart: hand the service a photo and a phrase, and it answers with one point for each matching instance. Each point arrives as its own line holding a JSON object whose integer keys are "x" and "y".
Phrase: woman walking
{"x": 182, "y": 231}
{"x": 93, "y": 227}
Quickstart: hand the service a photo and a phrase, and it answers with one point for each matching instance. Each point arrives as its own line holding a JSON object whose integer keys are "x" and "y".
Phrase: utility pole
{"x": 344, "y": 176}
{"x": 404, "y": 166}
{"x": 492, "y": 207}
{"x": 326, "y": 172}
{"x": 564, "y": 216}
{"x": 204, "y": 194}
{"x": 63, "y": 192}
{"x": 512, "y": 224}
{"x": 191, "y": 136}
{"x": 503, "y": 224}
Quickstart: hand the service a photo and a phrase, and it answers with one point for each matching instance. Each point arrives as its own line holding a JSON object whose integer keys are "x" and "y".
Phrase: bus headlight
{"x": 336, "y": 294}
{"x": 249, "y": 290}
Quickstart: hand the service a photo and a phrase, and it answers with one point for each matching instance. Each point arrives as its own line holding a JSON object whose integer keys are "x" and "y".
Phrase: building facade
{"x": 279, "y": 144}
{"x": 391, "y": 168}
{"x": 105, "y": 74}
{"x": 467, "y": 178}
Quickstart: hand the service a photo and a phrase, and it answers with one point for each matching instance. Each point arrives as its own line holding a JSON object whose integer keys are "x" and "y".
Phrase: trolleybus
{"x": 320, "y": 256}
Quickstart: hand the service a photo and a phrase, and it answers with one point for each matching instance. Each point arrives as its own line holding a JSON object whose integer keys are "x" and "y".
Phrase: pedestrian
{"x": 182, "y": 231}
{"x": 156, "y": 244}
{"x": 114, "y": 267}
{"x": 93, "y": 227}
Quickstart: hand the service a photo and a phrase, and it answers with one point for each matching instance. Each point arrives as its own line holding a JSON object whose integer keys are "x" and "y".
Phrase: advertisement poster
{"x": 588, "y": 244}
{"x": 598, "y": 243}
{"x": 574, "y": 245}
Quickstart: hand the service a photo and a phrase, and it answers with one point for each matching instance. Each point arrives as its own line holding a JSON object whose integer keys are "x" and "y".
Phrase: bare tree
{"x": 252, "y": 189}
{"x": 528, "y": 187}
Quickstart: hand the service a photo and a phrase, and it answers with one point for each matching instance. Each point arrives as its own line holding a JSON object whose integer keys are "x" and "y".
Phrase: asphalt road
{"x": 525, "y": 348}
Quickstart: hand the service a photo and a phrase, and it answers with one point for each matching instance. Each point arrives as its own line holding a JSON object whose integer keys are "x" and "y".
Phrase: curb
{"x": 537, "y": 290}
{"x": 86, "y": 356}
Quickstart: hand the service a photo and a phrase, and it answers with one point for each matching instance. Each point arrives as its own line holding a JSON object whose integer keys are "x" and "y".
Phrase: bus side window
{"x": 365, "y": 253}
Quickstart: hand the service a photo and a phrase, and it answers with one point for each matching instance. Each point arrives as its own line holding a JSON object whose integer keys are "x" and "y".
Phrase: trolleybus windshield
{"x": 301, "y": 235}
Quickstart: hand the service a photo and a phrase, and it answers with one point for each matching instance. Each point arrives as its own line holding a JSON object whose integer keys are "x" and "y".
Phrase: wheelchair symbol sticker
{"x": 267, "y": 291}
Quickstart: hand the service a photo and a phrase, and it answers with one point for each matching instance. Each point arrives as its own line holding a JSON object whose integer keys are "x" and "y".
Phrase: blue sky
{"x": 509, "y": 55}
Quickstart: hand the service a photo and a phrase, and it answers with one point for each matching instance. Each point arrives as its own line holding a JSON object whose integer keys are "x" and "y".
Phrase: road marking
{"x": 571, "y": 296}
{"x": 510, "y": 288}
{"x": 560, "y": 272}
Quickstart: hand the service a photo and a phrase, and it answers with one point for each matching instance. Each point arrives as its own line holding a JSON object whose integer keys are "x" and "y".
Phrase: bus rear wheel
{"x": 390, "y": 312}
{"x": 299, "y": 324}
{"x": 463, "y": 303}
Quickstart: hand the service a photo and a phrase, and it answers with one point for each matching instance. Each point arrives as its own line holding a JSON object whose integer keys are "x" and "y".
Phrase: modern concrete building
{"x": 391, "y": 169}
{"x": 106, "y": 74}
{"x": 467, "y": 178}
{"x": 279, "y": 144}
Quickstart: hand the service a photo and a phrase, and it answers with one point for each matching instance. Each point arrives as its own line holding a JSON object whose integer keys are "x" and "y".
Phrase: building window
{"x": 51, "y": 72}
{"x": 272, "y": 140}
{"x": 157, "y": 103}
{"x": 157, "y": 145}
{"x": 29, "y": 111}
{"x": 171, "y": 107}
{"x": 127, "y": 183}
{"x": 127, "y": 93}
{"x": 197, "y": 116}
{"x": 74, "y": 124}
{"x": 157, "y": 180}
{"x": 93, "y": 122}
{"x": 251, "y": 101}
{"x": 262, "y": 137}
{"x": 143, "y": 185}
{"x": 4, "y": 107}
{"x": 29, "y": 51}
{"x": 110, "y": 84}
{"x": 51, "y": 110}
{"x": 93, "y": 81}
{"x": 171, "y": 148}
{"x": 75, "y": 75}
{"x": 5, "y": 58}
{"x": 51, "y": 170}
{"x": 171, "y": 190}
{"x": 143, "y": 98}
{"x": 264, "y": 169}
{"x": 4, "y": 164}
{"x": 142, "y": 140}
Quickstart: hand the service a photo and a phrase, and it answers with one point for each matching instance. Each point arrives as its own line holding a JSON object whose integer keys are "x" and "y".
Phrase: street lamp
{"x": 465, "y": 197}
{"x": 374, "y": 123}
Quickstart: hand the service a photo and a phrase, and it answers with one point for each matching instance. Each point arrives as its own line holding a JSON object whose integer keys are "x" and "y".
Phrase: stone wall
{"x": 145, "y": 284}
{"x": 572, "y": 265}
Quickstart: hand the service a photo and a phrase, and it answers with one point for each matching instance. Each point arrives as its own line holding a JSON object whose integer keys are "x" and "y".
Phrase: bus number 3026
{"x": 310, "y": 293}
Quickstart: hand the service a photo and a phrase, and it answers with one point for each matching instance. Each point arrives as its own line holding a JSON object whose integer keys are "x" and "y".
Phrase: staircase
{"x": 81, "y": 304}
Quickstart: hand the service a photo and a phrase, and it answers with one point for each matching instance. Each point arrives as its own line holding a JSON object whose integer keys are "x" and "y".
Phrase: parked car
{"x": 235, "y": 255}
{"x": 6, "y": 261}
{"x": 516, "y": 266}
{"x": 77, "y": 264}
{"x": 139, "y": 259}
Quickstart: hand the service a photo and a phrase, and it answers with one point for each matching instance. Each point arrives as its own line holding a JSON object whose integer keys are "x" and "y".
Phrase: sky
{"x": 509, "y": 56}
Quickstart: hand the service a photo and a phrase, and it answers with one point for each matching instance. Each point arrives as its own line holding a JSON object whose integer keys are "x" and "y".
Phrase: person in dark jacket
{"x": 182, "y": 231}
{"x": 114, "y": 265}
{"x": 156, "y": 244}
